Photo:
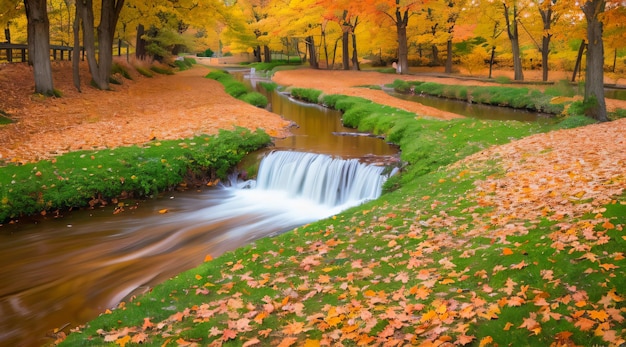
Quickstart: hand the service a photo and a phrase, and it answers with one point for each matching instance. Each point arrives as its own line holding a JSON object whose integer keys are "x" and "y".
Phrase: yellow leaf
{"x": 428, "y": 316}
{"x": 163, "y": 211}
{"x": 198, "y": 277}
{"x": 508, "y": 326}
{"x": 123, "y": 341}
{"x": 486, "y": 341}
{"x": 608, "y": 266}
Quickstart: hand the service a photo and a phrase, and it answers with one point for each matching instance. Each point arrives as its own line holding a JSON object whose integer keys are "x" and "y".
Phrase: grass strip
{"x": 237, "y": 89}
{"x": 79, "y": 179}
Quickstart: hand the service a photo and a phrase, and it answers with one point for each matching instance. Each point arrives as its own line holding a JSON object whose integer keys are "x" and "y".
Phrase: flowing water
{"x": 66, "y": 270}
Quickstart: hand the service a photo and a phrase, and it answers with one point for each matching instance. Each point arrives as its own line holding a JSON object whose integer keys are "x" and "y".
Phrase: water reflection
{"x": 478, "y": 111}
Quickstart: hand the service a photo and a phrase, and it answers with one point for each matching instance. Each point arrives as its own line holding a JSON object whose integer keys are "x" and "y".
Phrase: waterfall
{"x": 320, "y": 178}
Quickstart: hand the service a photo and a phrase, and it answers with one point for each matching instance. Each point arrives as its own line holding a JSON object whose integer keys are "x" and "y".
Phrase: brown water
{"x": 65, "y": 271}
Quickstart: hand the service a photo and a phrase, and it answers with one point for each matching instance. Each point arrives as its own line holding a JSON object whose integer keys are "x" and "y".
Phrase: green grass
{"x": 121, "y": 70}
{"x": 4, "y": 118}
{"x": 75, "y": 179}
{"x": 237, "y": 89}
{"x": 514, "y": 97}
{"x": 161, "y": 70}
{"x": 144, "y": 72}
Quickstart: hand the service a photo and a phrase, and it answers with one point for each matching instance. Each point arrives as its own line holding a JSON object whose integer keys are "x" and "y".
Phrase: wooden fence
{"x": 14, "y": 53}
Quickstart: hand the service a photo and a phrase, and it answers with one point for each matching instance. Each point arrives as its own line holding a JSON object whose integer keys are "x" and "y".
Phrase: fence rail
{"x": 14, "y": 52}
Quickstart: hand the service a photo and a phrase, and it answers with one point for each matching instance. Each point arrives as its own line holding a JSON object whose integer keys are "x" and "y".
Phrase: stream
{"x": 62, "y": 272}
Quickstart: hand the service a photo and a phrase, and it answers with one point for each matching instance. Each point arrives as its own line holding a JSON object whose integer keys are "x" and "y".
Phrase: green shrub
{"x": 269, "y": 86}
{"x": 310, "y": 95}
{"x": 119, "y": 69}
{"x": 207, "y": 53}
{"x": 503, "y": 80}
{"x": 255, "y": 99}
{"x": 4, "y": 118}
{"x": 144, "y": 72}
{"x": 561, "y": 88}
{"x": 161, "y": 70}
{"x": 219, "y": 75}
{"x": 401, "y": 86}
{"x": 575, "y": 121}
{"x": 235, "y": 88}
{"x": 617, "y": 114}
{"x": 353, "y": 116}
{"x": 331, "y": 100}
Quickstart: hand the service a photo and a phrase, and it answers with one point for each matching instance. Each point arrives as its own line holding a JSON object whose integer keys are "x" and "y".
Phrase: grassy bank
{"x": 555, "y": 99}
{"x": 237, "y": 89}
{"x": 94, "y": 178}
{"x": 429, "y": 262}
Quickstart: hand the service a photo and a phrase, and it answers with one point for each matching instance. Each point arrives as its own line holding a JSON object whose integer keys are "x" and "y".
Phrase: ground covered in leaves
{"x": 164, "y": 107}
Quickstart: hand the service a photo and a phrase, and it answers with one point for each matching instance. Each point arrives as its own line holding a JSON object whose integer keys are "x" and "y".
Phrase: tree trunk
{"x": 313, "y": 55}
{"x": 402, "y": 20}
{"x": 579, "y": 59}
{"x": 355, "y": 57}
{"x": 100, "y": 69}
{"x": 491, "y": 60}
{"x": 332, "y": 66}
{"x": 267, "y": 54}
{"x": 106, "y": 32}
{"x": 449, "y": 57}
{"x": 325, "y": 48}
{"x": 435, "y": 57}
{"x": 511, "y": 29}
{"x": 345, "y": 48}
{"x": 546, "y": 17}
{"x": 76, "y": 52}
{"x": 594, "y": 75}
{"x": 257, "y": 54}
{"x": 140, "y": 46}
{"x": 39, "y": 45}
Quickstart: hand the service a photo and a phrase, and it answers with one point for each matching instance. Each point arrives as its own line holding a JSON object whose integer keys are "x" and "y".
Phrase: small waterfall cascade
{"x": 320, "y": 178}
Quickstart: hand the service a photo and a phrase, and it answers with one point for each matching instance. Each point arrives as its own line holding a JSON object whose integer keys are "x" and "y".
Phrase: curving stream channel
{"x": 65, "y": 271}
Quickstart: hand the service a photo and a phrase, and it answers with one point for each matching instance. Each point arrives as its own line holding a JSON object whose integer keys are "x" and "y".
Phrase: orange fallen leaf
{"x": 163, "y": 211}
{"x": 507, "y": 251}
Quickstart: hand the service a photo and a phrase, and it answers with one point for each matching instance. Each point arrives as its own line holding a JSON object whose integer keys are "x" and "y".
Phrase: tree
{"x": 100, "y": 68}
{"x": 346, "y": 14}
{"x": 594, "y": 76}
{"x": 398, "y": 11}
{"x": 547, "y": 18}
{"x": 511, "y": 18}
{"x": 39, "y": 45}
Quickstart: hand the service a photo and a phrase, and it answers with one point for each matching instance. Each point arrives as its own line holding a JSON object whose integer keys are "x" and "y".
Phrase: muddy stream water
{"x": 62, "y": 272}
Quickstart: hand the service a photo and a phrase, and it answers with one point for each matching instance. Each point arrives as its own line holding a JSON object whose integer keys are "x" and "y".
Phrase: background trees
{"x": 542, "y": 34}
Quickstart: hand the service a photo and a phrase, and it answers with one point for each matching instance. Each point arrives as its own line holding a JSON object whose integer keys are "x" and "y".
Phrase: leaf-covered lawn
{"x": 520, "y": 244}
